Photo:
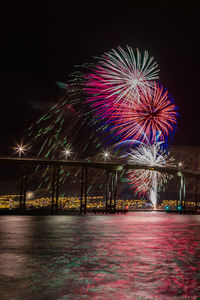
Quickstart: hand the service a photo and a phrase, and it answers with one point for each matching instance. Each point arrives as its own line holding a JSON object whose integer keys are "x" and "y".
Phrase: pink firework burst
{"x": 155, "y": 116}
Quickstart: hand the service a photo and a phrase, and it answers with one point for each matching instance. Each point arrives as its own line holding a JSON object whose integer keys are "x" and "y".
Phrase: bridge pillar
{"x": 86, "y": 182}
{"x": 57, "y": 188}
{"x": 82, "y": 189}
{"x": 115, "y": 190}
{"x": 53, "y": 190}
{"x": 196, "y": 194}
{"x": 111, "y": 191}
{"x": 23, "y": 188}
{"x": 107, "y": 189}
{"x": 180, "y": 191}
{"x": 184, "y": 192}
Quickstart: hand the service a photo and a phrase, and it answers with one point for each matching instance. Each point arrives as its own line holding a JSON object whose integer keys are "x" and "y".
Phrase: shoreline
{"x": 45, "y": 212}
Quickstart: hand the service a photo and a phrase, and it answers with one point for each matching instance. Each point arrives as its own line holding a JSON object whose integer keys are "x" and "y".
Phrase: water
{"x": 136, "y": 256}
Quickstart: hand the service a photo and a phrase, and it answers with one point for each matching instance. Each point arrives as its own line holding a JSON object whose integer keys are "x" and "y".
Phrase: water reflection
{"x": 137, "y": 256}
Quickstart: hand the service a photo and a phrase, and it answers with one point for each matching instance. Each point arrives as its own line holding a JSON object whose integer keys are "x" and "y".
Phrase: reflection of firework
{"x": 154, "y": 115}
{"x": 147, "y": 181}
{"x": 121, "y": 75}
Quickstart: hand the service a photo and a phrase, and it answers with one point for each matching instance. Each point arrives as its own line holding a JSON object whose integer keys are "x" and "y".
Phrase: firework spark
{"x": 121, "y": 76}
{"x": 149, "y": 181}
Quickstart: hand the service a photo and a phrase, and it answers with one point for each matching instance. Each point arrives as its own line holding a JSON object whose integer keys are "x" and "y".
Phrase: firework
{"x": 126, "y": 104}
{"x": 155, "y": 115}
{"x": 148, "y": 181}
{"x": 63, "y": 133}
{"x": 121, "y": 76}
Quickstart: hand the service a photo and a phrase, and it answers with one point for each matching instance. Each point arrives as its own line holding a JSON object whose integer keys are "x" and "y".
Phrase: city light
{"x": 167, "y": 208}
{"x": 179, "y": 208}
{"x": 69, "y": 202}
{"x": 30, "y": 195}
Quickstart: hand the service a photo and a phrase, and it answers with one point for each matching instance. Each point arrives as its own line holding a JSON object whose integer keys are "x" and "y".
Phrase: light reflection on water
{"x": 134, "y": 256}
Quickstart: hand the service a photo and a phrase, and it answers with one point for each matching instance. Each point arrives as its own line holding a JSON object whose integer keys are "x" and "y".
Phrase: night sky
{"x": 42, "y": 44}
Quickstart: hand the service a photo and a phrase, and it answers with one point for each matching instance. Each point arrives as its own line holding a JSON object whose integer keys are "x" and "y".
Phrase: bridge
{"x": 112, "y": 170}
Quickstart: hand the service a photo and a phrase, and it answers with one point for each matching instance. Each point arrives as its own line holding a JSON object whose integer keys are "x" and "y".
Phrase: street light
{"x": 106, "y": 155}
{"x": 67, "y": 152}
{"x": 180, "y": 164}
{"x": 20, "y": 149}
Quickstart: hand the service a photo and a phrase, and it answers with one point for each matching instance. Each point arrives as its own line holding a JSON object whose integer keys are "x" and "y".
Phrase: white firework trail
{"x": 149, "y": 181}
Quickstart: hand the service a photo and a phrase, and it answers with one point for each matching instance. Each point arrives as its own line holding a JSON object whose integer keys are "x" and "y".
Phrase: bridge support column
{"x": 107, "y": 189}
{"x": 57, "y": 188}
{"x": 86, "y": 181}
{"x": 115, "y": 190}
{"x": 184, "y": 193}
{"x": 111, "y": 191}
{"x": 196, "y": 194}
{"x": 23, "y": 188}
{"x": 82, "y": 189}
{"x": 53, "y": 190}
{"x": 180, "y": 191}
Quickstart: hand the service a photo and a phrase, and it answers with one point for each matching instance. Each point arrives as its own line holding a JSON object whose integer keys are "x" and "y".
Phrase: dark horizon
{"x": 41, "y": 45}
